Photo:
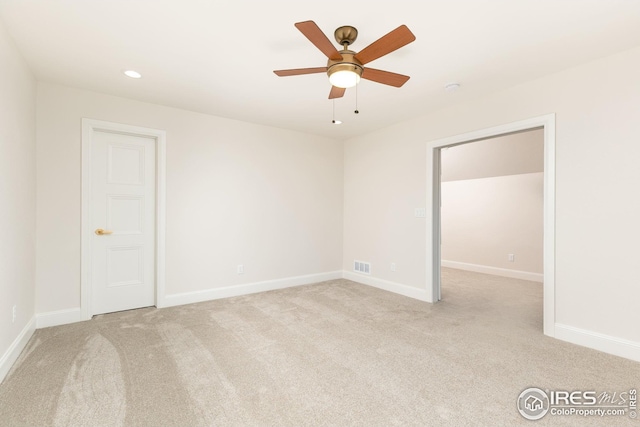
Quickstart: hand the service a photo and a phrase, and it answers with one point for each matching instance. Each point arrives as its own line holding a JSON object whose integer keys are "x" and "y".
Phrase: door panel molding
{"x": 89, "y": 127}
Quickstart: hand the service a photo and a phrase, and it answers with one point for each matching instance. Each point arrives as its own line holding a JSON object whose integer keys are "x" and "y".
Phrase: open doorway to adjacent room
{"x": 491, "y": 218}
{"x": 491, "y": 203}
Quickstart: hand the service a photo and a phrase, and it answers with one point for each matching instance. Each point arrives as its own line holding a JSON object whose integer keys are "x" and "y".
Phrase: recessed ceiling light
{"x": 133, "y": 74}
{"x": 452, "y": 87}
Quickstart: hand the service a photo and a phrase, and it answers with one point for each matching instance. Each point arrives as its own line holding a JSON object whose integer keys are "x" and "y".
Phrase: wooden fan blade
{"x": 317, "y": 37}
{"x": 336, "y": 92}
{"x": 384, "y": 77}
{"x": 299, "y": 71}
{"x": 397, "y": 38}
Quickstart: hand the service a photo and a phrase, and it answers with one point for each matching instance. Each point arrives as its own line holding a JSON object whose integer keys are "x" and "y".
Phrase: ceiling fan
{"x": 346, "y": 67}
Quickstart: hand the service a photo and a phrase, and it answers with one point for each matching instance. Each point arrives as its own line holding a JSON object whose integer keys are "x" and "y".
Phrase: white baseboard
{"x": 504, "y": 272}
{"x": 605, "y": 343}
{"x": 56, "y": 318}
{"x": 397, "y": 288}
{"x": 13, "y": 352}
{"x": 249, "y": 288}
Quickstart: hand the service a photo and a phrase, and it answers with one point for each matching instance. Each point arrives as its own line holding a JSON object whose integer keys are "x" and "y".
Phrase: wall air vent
{"x": 362, "y": 267}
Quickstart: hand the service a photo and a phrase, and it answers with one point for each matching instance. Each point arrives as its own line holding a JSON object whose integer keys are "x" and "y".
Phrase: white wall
{"x": 17, "y": 199}
{"x": 492, "y": 205}
{"x": 485, "y": 219}
{"x": 237, "y": 193}
{"x": 597, "y": 197}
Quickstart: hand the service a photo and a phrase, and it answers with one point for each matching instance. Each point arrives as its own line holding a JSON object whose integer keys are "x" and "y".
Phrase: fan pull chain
{"x": 356, "y": 110}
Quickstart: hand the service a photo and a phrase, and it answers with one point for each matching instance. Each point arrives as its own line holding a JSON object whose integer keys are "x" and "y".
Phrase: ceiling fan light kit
{"x": 345, "y": 68}
{"x": 344, "y": 75}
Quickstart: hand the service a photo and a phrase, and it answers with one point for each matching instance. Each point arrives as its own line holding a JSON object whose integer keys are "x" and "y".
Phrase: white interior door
{"x": 123, "y": 197}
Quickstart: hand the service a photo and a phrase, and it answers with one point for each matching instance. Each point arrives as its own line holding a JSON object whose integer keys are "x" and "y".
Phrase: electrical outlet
{"x": 393, "y": 266}
{"x": 14, "y": 314}
{"x": 240, "y": 269}
{"x": 512, "y": 257}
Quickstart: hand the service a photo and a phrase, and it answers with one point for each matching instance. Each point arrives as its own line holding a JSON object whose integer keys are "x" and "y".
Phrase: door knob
{"x": 101, "y": 232}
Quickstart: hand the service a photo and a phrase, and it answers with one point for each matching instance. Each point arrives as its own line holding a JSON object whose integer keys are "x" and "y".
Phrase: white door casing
{"x": 123, "y": 194}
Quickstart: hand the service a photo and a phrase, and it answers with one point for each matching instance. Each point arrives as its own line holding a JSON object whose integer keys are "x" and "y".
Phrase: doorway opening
{"x": 546, "y": 124}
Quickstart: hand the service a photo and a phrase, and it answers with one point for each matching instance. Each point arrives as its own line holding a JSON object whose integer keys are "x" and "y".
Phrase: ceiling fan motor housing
{"x": 345, "y": 35}
{"x": 348, "y": 63}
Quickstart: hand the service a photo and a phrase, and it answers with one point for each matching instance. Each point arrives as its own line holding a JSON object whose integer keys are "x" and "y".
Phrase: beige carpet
{"x": 332, "y": 354}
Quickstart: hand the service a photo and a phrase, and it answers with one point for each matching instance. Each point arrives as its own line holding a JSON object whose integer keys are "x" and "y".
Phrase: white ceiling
{"x": 217, "y": 56}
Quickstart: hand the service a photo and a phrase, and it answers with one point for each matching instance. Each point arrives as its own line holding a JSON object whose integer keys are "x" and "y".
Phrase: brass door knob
{"x": 101, "y": 232}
